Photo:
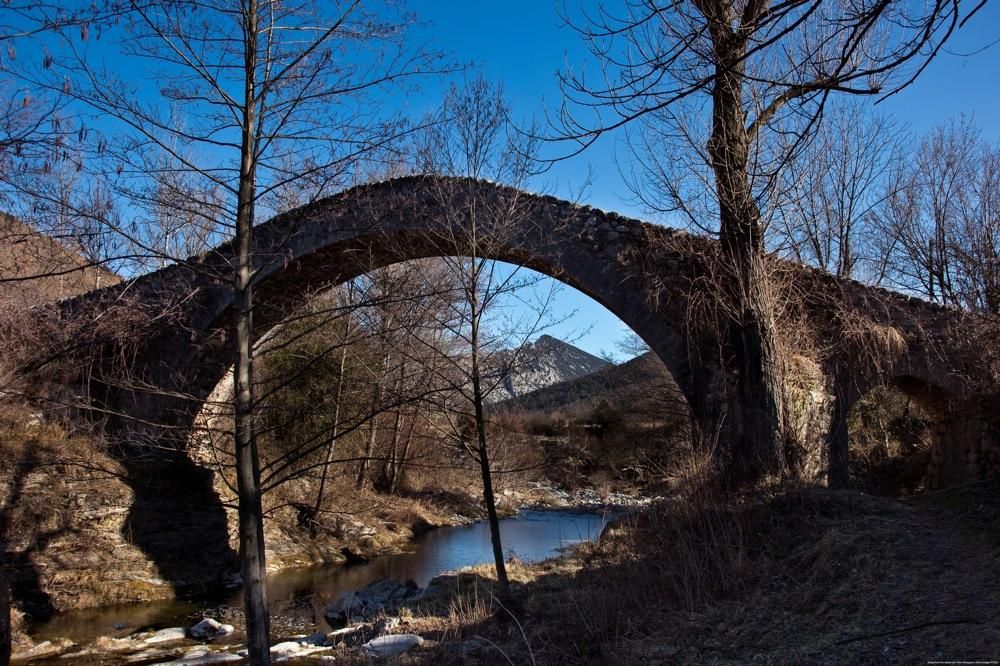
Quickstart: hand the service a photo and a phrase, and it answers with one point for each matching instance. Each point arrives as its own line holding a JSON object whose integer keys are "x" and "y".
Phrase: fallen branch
{"x": 915, "y": 627}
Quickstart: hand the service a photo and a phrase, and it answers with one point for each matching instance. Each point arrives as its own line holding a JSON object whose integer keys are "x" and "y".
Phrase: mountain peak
{"x": 547, "y": 361}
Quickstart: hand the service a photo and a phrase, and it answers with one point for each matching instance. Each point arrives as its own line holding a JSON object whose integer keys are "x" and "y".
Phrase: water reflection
{"x": 304, "y": 593}
{"x": 531, "y": 536}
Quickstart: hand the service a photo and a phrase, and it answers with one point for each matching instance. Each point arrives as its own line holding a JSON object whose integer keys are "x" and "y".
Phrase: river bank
{"x": 301, "y": 600}
{"x": 783, "y": 575}
{"x": 87, "y": 528}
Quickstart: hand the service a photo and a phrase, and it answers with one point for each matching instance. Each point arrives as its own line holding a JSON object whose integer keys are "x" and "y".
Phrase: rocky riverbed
{"x": 371, "y": 622}
{"x": 204, "y": 633}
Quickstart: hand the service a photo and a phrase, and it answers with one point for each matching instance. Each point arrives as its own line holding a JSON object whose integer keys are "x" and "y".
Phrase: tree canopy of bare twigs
{"x": 722, "y": 94}
{"x": 197, "y": 119}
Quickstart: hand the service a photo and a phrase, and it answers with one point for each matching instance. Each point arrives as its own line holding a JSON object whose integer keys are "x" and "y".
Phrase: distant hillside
{"x": 26, "y": 253}
{"x": 642, "y": 383}
{"x": 545, "y": 362}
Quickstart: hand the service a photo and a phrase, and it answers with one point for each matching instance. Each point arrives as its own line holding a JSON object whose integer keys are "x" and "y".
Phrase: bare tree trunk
{"x": 5, "y": 609}
{"x": 759, "y": 447}
{"x": 389, "y": 470}
{"x": 372, "y": 429}
{"x": 332, "y": 444}
{"x": 369, "y": 448}
{"x": 484, "y": 457}
{"x": 251, "y": 520}
{"x": 397, "y": 469}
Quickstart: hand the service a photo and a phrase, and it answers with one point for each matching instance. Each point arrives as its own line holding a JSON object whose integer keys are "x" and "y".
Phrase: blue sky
{"x": 522, "y": 44}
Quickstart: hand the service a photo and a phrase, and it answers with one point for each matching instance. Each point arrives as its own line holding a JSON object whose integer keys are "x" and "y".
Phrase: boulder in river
{"x": 377, "y": 597}
{"x": 209, "y": 629}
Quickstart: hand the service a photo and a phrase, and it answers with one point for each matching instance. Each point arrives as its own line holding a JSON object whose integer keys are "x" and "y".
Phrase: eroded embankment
{"x": 87, "y": 528}
{"x": 83, "y": 527}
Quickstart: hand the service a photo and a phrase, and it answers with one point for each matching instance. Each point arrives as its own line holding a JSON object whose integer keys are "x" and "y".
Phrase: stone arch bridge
{"x": 655, "y": 279}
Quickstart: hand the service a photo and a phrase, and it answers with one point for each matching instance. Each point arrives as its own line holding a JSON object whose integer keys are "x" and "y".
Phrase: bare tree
{"x": 833, "y": 189}
{"x": 938, "y": 232}
{"x": 476, "y": 142}
{"x": 257, "y": 82}
{"x": 740, "y": 86}
{"x": 31, "y": 140}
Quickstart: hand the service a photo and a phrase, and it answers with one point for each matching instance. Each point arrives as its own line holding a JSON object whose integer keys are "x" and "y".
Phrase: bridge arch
{"x": 651, "y": 277}
{"x": 369, "y": 227}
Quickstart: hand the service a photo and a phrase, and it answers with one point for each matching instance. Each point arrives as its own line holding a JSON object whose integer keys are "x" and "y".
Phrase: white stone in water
{"x": 388, "y": 646}
{"x": 166, "y": 635}
{"x": 202, "y": 656}
{"x": 294, "y": 649}
{"x": 207, "y": 628}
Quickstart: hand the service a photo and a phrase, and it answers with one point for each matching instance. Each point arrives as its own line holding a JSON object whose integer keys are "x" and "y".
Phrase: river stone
{"x": 207, "y": 629}
{"x": 294, "y": 649}
{"x": 202, "y": 656}
{"x": 148, "y": 656}
{"x": 44, "y": 649}
{"x": 166, "y": 635}
{"x": 388, "y": 646}
{"x": 288, "y": 647}
{"x": 377, "y": 597}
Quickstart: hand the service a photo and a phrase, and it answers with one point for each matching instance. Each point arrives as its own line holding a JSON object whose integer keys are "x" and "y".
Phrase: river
{"x": 298, "y": 596}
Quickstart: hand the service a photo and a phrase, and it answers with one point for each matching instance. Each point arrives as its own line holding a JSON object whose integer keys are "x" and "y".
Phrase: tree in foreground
{"x": 723, "y": 94}
{"x": 483, "y": 333}
{"x": 240, "y": 100}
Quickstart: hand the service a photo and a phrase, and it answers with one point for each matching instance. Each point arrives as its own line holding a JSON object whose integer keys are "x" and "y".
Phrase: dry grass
{"x": 19, "y": 638}
{"x": 63, "y": 504}
{"x": 654, "y": 572}
{"x": 676, "y": 557}
{"x": 786, "y": 575}
{"x": 870, "y": 339}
